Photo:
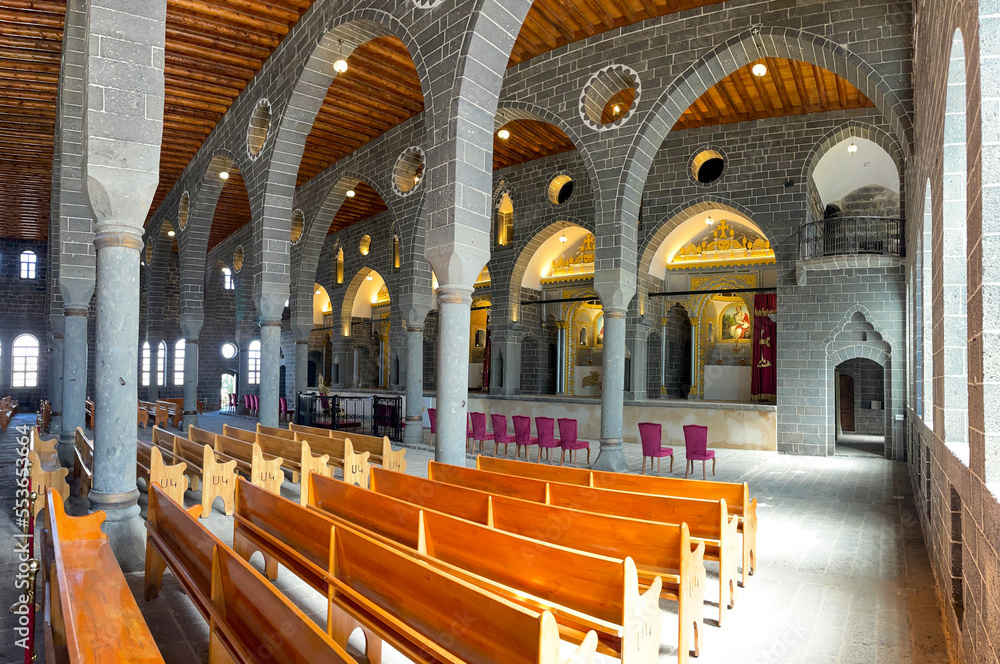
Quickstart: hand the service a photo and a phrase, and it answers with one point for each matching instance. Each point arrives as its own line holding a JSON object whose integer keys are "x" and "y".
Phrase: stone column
{"x": 612, "y": 456}
{"x": 191, "y": 328}
{"x": 302, "y": 330}
{"x": 639, "y": 345}
{"x": 56, "y": 374}
{"x": 414, "y": 432}
{"x": 123, "y": 125}
{"x": 663, "y": 358}
{"x": 75, "y": 356}
{"x": 454, "y": 318}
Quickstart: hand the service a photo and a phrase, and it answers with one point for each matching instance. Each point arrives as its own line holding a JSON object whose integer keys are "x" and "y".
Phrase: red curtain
{"x": 764, "y": 377}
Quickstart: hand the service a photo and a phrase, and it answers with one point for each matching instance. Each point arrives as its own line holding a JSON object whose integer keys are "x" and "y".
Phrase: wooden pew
{"x": 91, "y": 615}
{"x": 708, "y": 520}
{"x": 151, "y": 467}
{"x": 250, "y": 459}
{"x": 583, "y": 591}
{"x": 46, "y": 471}
{"x": 89, "y": 414}
{"x": 380, "y": 449}
{"x": 175, "y": 409}
{"x": 146, "y": 410}
{"x": 44, "y": 418}
{"x": 214, "y": 473}
{"x": 83, "y": 467}
{"x": 659, "y": 550}
{"x": 355, "y": 466}
{"x": 427, "y": 614}
{"x": 249, "y": 621}
{"x": 736, "y": 495}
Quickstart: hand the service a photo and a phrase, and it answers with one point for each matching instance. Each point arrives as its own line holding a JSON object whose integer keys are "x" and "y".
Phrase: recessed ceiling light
{"x": 224, "y": 175}
{"x": 759, "y": 69}
{"x": 503, "y": 134}
{"x": 350, "y": 193}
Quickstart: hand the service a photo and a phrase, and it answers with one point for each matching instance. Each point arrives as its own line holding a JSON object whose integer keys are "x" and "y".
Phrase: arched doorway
{"x": 859, "y": 412}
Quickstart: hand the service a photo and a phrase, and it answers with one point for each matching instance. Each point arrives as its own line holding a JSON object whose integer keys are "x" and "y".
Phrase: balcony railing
{"x": 847, "y": 236}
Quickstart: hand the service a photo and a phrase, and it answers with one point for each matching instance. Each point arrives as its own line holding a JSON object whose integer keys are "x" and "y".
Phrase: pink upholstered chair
{"x": 522, "y": 435}
{"x": 651, "y": 435}
{"x": 479, "y": 433}
{"x": 282, "y": 409}
{"x": 432, "y": 416}
{"x": 469, "y": 445}
{"x": 545, "y": 426}
{"x": 696, "y": 448}
{"x": 500, "y": 435}
{"x": 255, "y": 404}
{"x": 569, "y": 442}
{"x": 246, "y": 404}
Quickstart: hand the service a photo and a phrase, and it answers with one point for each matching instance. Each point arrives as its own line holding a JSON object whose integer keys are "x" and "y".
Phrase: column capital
{"x": 114, "y": 234}
{"x": 455, "y": 294}
{"x": 414, "y": 328}
{"x": 76, "y": 311}
{"x": 614, "y": 313}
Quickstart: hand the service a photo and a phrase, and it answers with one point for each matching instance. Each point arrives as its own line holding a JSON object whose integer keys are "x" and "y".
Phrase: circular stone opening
{"x": 560, "y": 189}
{"x": 260, "y": 122}
{"x": 183, "y": 210}
{"x": 365, "y": 245}
{"x": 708, "y": 166}
{"x": 298, "y": 223}
{"x": 238, "y": 259}
{"x": 610, "y": 97}
{"x": 408, "y": 171}
{"x": 229, "y": 350}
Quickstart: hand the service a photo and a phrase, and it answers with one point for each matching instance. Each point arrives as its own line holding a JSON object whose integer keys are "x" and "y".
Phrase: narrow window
{"x": 340, "y": 265}
{"x": 146, "y": 363}
{"x": 28, "y": 261}
{"x": 161, "y": 363}
{"x": 179, "y": 362}
{"x": 505, "y": 221}
{"x": 253, "y": 363}
{"x": 227, "y": 279}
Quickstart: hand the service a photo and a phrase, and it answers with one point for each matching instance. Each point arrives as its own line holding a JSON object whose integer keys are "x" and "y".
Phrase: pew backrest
{"x": 464, "y": 503}
{"x": 496, "y": 483}
{"x": 275, "y": 431}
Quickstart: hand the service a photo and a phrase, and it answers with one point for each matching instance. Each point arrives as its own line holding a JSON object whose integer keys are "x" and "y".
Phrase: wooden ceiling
{"x": 365, "y": 203}
{"x": 790, "y": 87}
{"x": 232, "y": 210}
{"x": 529, "y": 139}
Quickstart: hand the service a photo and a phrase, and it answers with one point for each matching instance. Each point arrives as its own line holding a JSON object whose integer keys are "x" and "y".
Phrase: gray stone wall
{"x": 23, "y": 313}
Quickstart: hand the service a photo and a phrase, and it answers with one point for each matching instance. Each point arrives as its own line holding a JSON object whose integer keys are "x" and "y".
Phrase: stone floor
{"x": 843, "y": 574}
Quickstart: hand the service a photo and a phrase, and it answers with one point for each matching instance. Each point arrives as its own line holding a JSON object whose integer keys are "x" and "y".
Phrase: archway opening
{"x": 232, "y": 209}
{"x": 859, "y": 407}
{"x": 365, "y": 323}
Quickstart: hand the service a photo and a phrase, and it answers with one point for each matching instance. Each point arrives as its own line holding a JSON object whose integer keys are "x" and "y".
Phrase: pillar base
{"x": 124, "y": 528}
{"x": 189, "y": 420}
{"x": 66, "y": 448}
{"x": 55, "y": 425}
{"x": 611, "y": 457}
{"x": 413, "y": 431}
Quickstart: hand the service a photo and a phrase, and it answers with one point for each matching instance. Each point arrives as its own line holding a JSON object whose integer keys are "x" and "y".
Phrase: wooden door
{"x": 846, "y": 403}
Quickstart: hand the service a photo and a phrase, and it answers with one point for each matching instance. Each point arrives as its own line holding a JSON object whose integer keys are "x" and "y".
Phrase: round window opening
{"x": 560, "y": 189}
{"x": 365, "y": 245}
{"x": 408, "y": 171}
{"x": 183, "y": 210}
{"x": 708, "y": 166}
{"x": 610, "y": 96}
{"x": 260, "y": 122}
{"x": 238, "y": 259}
{"x": 298, "y": 223}
{"x": 229, "y": 351}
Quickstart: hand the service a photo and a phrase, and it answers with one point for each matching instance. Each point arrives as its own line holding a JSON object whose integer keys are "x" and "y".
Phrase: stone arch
{"x": 851, "y": 316}
{"x": 351, "y": 293}
{"x": 527, "y": 248}
{"x": 856, "y": 129}
{"x": 836, "y": 357}
{"x": 736, "y": 52}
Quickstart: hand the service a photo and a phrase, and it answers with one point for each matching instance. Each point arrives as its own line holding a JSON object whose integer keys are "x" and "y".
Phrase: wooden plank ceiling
{"x": 365, "y": 203}
{"x": 790, "y": 87}
{"x": 232, "y": 210}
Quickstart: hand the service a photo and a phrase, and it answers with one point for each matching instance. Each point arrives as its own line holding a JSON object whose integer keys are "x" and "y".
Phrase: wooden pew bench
{"x": 399, "y": 597}
{"x": 146, "y": 410}
{"x": 355, "y": 466}
{"x": 707, "y": 520}
{"x": 584, "y": 591}
{"x": 174, "y": 409}
{"x": 251, "y": 462}
{"x": 295, "y": 455}
{"x": 736, "y": 495}
{"x": 659, "y": 550}
{"x": 44, "y": 418}
{"x": 83, "y": 466}
{"x": 91, "y": 615}
{"x": 46, "y": 471}
{"x": 151, "y": 467}
{"x": 380, "y": 449}
{"x": 247, "y": 617}
{"x": 214, "y": 473}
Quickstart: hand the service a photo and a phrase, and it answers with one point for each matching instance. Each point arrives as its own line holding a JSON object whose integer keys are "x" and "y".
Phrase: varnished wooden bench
{"x": 251, "y": 462}
{"x": 659, "y": 550}
{"x": 46, "y": 471}
{"x": 146, "y": 410}
{"x": 44, "y": 418}
{"x": 249, "y": 621}
{"x": 583, "y": 591}
{"x": 89, "y": 414}
{"x": 426, "y": 614}
{"x": 296, "y": 456}
{"x": 355, "y": 466}
{"x": 151, "y": 467}
{"x": 708, "y": 520}
{"x": 380, "y": 449}
{"x": 736, "y": 495}
{"x": 214, "y": 473}
{"x": 91, "y": 615}
{"x": 174, "y": 409}
{"x": 83, "y": 466}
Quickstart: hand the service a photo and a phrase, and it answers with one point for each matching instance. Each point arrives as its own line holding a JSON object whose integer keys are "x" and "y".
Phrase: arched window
{"x": 395, "y": 253}
{"x": 253, "y": 363}
{"x": 179, "y": 362}
{"x": 146, "y": 363}
{"x": 505, "y": 221}
{"x": 227, "y": 279}
{"x": 340, "y": 265}
{"x": 28, "y": 263}
{"x": 25, "y": 357}
{"x": 161, "y": 363}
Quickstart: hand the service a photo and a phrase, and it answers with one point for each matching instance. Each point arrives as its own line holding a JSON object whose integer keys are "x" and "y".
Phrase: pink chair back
{"x": 522, "y": 429}
{"x": 478, "y": 425}
{"x": 246, "y": 402}
{"x": 432, "y": 416}
{"x": 500, "y": 428}
{"x": 282, "y": 406}
{"x": 695, "y": 440}
{"x": 545, "y": 426}
{"x": 567, "y": 435}
{"x": 255, "y": 402}
{"x": 651, "y": 435}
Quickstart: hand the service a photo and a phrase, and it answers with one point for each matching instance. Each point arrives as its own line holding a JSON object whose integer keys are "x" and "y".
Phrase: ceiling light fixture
{"x": 852, "y": 148}
{"x": 317, "y": 291}
{"x": 368, "y": 278}
{"x": 616, "y": 110}
{"x": 759, "y": 69}
{"x": 709, "y": 221}
{"x": 416, "y": 179}
{"x": 350, "y": 193}
{"x": 503, "y": 134}
{"x": 340, "y": 66}
{"x": 170, "y": 233}
{"x": 563, "y": 238}
{"x": 224, "y": 175}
